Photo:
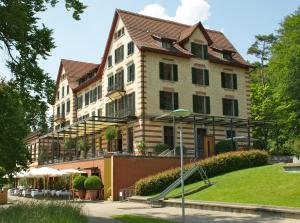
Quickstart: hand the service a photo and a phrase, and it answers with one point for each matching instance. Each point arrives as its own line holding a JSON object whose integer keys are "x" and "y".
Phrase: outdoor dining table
{"x": 35, "y": 193}
{"x": 61, "y": 193}
{"x": 26, "y": 192}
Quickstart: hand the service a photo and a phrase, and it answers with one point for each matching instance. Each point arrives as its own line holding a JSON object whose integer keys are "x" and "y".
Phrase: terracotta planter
{"x": 81, "y": 194}
{"x": 92, "y": 194}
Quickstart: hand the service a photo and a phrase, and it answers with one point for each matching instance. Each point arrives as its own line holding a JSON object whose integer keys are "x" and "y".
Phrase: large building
{"x": 150, "y": 67}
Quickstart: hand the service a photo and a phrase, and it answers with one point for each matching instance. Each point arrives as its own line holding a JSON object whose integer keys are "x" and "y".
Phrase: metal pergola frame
{"x": 213, "y": 121}
{"x": 80, "y": 129}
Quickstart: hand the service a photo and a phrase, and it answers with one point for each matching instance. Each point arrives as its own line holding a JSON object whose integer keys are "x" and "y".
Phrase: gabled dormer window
{"x": 227, "y": 56}
{"x": 199, "y": 50}
{"x": 166, "y": 44}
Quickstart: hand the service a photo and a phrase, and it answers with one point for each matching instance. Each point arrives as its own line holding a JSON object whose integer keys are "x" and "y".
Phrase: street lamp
{"x": 181, "y": 113}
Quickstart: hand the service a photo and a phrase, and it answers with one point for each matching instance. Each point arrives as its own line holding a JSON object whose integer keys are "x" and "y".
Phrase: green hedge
{"x": 213, "y": 166}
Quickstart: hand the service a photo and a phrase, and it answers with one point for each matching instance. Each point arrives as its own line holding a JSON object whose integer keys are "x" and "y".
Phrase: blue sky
{"x": 85, "y": 40}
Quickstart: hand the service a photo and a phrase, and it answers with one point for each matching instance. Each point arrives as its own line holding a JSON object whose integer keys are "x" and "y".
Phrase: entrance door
{"x": 201, "y": 133}
{"x": 169, "y": 136}
{"x": 119, "y": 141}
{"x": 130, "y": 140}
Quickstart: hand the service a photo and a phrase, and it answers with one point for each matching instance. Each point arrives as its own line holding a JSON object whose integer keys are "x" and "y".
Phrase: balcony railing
{"x": 122, "y": 113}
{"x": 59, "y": 118}
{"x": 115, "y": 88}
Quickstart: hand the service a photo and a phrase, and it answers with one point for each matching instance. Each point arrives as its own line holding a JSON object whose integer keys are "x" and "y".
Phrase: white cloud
{"x": 188, "y": 12}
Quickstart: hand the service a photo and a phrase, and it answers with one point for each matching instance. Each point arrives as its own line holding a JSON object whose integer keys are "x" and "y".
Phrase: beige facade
{"x": 146, "y": 86}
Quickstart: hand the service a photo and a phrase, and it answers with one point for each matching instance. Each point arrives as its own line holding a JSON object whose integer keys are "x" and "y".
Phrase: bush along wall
{"x": 213, "y": 166}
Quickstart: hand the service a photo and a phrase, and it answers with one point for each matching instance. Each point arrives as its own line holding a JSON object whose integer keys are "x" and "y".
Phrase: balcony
{"x": 59, "y": 118}
{"x": 115, "y": 91}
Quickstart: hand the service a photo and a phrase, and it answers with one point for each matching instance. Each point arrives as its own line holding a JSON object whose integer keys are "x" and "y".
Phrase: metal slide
{"x": 187, "y": 174}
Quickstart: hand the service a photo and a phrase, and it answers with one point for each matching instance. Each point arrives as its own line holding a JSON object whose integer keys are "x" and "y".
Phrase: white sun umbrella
{"x": 71, "y": 171}
{"x": 44, "y": 172}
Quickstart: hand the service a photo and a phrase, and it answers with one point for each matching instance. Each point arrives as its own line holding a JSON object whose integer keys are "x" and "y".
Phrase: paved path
{"x": 101, "y": 213}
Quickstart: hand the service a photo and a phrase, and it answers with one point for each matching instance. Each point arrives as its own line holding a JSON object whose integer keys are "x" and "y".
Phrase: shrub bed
{"x": 213, "y": 166}
{"x": 43, "y": 212}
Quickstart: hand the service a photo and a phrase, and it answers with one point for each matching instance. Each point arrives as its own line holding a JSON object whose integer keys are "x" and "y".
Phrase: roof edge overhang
{"x": 178, "y": 54}
{"x": 108, "y": 43}
{"x": 232, "y": 63}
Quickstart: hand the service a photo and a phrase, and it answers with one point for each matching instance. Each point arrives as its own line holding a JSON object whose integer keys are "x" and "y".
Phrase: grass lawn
{"x": 140, "y": 219}
{"x": 42, "y": 212}
{"x": 267, "y": 185}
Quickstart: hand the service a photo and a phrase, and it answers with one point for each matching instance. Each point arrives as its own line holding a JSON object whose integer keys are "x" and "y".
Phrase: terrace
{"x": 82, "y": 141}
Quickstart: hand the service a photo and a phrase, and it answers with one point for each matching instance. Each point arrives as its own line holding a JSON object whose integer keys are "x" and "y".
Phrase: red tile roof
{"x": 75, "y": 70}
{"x": 143, "y": 30}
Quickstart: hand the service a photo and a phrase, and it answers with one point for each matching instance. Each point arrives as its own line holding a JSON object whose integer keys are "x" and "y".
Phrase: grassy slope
{"x": 267, "y": 185}
{"x": 139, "y": 219}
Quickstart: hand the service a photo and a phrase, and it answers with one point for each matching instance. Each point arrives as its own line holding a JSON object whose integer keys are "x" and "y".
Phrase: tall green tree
{"x": 26, "y": 40}
{"x": 261, "y": 50}
{"x": 13, "y": 153}
{"x": 275, "y": 83}
{"x": 284, "y": 71}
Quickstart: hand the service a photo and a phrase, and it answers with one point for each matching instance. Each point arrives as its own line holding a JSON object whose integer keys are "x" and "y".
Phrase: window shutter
{"x": 128, "y": 73}
{"x": 224, "y": 106}
{"x": 161, "y": 70}
{"x": 175, "y": 72}
{"x": 99, "y": 92}
{"x": 236, "y": 108}
{"x": 234, "y": 81}
{"x": 194, "y": 103}
{"x": 122, "y": 52}
{"x": 194, "y": 78}
{"x": 205, "y": 53}
{"x": 206, "y": 77}
{"x": 175, "y": 98}
{"x": 133, "y": 102}
{"x": 133, "y": 72}
{"x": 223, "y": 79}
{"x": 161, "y": 100}
{"x": 207, "y": 104}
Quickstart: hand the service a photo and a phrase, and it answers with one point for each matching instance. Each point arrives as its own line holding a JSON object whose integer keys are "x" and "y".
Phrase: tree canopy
{"x": 277, "y": 96}
{"x": 26, "y": 40}
{"x": 24, "y": 99}
{"x": 13, "y": 127}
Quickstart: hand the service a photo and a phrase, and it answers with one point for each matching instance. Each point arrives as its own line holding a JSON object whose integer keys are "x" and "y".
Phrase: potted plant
{"x": 78, "y": 184}
{"x": 82, "y": 146}
{"x": 110, "y": 135}
{"x": 67, "y": 146}
{"x": 92, "y": 184}
{"x": 141, "y": 146}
